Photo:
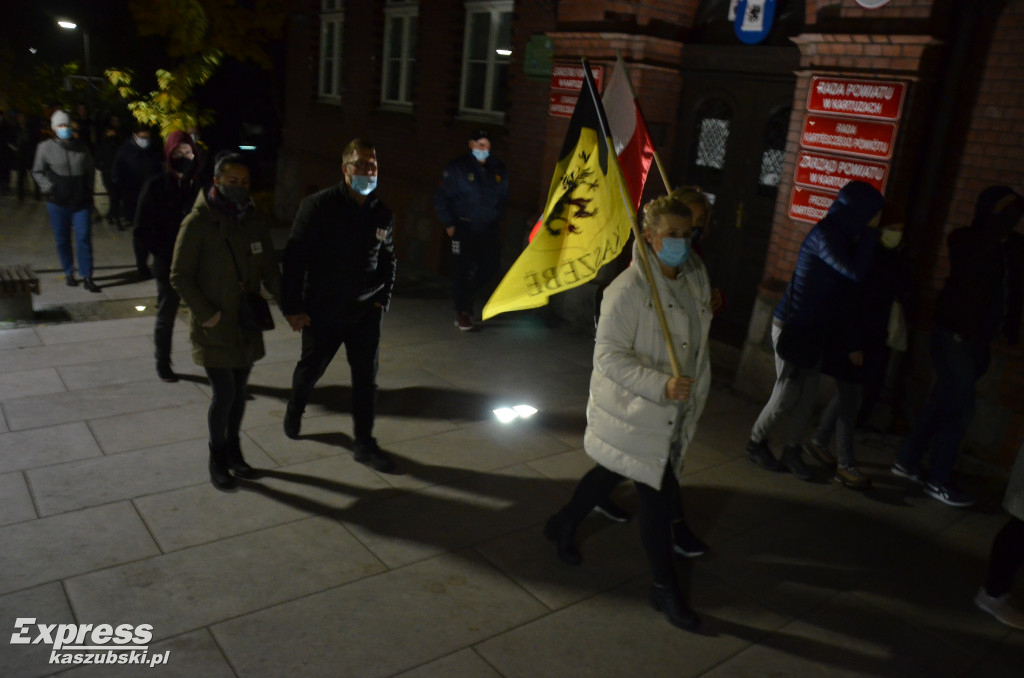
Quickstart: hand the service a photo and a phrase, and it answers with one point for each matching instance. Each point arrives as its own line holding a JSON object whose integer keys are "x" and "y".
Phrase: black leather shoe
{"x": 88, "y": 284}
{"x": 367, "y": 452}
{"x": 665, "y": 598}
{"x": 792, "y": 459}
{"x": 219, "y": 475}
{"x": 235, "y": 460}
{"x": 559, "y": 530}
{"x": 70, "y": 281}
{"x": 292, "y": 422}
{"x": 685, "y": 542}
{"x": 612, "y": 511}
{"x": 761, "y": 454}
{"x": 166, "y": 374}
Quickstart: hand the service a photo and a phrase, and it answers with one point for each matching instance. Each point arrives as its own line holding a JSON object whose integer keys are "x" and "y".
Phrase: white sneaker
{"x": 1001, "y": 608}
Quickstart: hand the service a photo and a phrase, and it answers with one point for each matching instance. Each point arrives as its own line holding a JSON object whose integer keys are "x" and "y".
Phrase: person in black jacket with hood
{"x": 136, "y": 162}
{"x": 981, "y": 299}
{"x": 339, "y": 271}
{"x": 165, "y": 200}
{"x": 839, "y": 247}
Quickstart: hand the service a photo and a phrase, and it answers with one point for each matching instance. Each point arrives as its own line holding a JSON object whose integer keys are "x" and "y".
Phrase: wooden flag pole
{"x": 645, "y": 263}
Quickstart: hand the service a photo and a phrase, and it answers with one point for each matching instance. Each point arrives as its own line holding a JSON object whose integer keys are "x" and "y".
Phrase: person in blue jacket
{"x": 470, "y": 201}
{"x": 840, "y": 246}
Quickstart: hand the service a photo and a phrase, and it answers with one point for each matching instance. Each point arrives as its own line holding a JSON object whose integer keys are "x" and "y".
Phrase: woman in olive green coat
{"x": 222, "y": 242}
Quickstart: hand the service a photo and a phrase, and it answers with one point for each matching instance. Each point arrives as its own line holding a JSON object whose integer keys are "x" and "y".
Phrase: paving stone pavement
{"x": 323, "y": 567}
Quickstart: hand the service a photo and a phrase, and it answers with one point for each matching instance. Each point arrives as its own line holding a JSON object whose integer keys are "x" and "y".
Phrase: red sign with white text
{"x": 832, "y": 172}
{"x": 807, "y": 204}
{"x": 879, "y": 99}
{"x": 562, "y": 104}
{"x": 569, "y": 77}
{"x": 849, "y": 135}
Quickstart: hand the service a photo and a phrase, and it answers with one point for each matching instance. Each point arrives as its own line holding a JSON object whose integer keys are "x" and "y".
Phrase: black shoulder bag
{"x": 253, "y": 309}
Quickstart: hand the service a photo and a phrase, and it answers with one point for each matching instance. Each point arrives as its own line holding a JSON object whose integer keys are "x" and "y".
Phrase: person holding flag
{"x": 643, "y": 411}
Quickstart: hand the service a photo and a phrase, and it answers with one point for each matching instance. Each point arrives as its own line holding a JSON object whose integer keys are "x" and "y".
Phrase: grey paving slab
{"x": 18, "y": 505}
{"x": 61, "y": 408}
{"x": 44, "y": 604}
{"x": 38, "y": 357}
{"x": 180, "y": 518}
{"x": 44, "y": 446}
{"x": 19, "y": 338}
{"x": 112, "y": 330}
{"x": 847, "y": 638}
{"x": 195, "y": 587}
{"x": 190, "y": 655}
{"x": 612, "y": 555}
{"x": 567, "y": 466}
{"x": 1002, "y": 660}
{"x": 68, "y": 544}
{"x": 618, "y": 634}
{"x": 108, "y": 372}
{"x": 381, "y": 625}
{"x": 463, "y": 664}
{"x": 138, "y": 430}
{"x": 91, "y": 482}
{"x": 417, "y": 525}
{"x": 30, "y": 382}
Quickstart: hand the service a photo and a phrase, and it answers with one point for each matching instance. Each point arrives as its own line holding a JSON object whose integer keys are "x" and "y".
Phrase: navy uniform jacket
{"x": 340, "y": 257}
{"x": 472, "y": 195}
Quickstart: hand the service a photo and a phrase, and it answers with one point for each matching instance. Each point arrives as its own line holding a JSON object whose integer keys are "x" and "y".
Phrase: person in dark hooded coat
{"x": 839, "y": 247}
{"x": 164, "y": 202}
{"x": 981, "y": 299}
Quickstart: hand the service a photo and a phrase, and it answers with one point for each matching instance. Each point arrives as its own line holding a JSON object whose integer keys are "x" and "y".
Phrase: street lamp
{"x": 70, "y": 26}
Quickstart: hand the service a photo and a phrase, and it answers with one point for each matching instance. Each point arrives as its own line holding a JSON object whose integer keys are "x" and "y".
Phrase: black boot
{"x": 292, "y": 421}
{"x": 562, "y": 531}
{"x": 233, "y": 456}
{"x": 665, "y": 598}
{"x": 164, "y": 371}
{"x": 219, "y": 475}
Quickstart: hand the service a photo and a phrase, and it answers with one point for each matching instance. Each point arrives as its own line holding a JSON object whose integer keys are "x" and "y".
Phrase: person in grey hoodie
{"x": 64, "y": 171}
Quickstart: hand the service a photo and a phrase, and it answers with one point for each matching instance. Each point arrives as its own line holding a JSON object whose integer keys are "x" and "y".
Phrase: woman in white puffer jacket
{"x": 640, "y": 418}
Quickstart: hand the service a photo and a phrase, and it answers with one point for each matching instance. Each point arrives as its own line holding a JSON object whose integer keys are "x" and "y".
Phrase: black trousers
{"x": 320, "y": 343}
{"x": 1006, "y": 559}
{"x": 167, "y": 301}
{"x": 657, "y": 510}
{"x": 476, "y": 257}
{"x": 228, "y": 404}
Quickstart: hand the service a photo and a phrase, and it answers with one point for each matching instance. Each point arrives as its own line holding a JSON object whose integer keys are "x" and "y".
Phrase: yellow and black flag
{"x": 586, "y": 221}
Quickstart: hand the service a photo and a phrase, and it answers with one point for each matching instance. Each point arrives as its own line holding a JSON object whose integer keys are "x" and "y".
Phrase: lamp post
{"x": 70, "y": 26}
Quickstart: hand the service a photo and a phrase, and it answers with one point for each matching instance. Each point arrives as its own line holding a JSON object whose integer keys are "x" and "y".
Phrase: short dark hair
{"x": 225, "y": 158}
{"x": 351, "y": 151}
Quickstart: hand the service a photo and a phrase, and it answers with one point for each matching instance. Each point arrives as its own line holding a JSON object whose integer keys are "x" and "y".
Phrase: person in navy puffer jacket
{"x": 839, "y": 247}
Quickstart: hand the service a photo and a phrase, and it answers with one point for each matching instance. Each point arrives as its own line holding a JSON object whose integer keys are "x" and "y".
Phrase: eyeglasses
{"x": 363, "y": 166}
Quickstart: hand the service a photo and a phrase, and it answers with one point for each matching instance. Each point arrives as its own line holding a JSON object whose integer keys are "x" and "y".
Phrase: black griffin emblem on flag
{"x": 573, "y": 205}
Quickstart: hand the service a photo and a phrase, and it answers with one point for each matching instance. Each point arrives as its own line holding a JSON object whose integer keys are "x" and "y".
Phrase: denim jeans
{"x": 63, "y": 220}
{"x": 950, "y": 407}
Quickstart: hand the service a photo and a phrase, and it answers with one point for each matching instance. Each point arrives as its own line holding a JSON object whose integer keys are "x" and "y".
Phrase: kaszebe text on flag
{"x": 586, "y": 221}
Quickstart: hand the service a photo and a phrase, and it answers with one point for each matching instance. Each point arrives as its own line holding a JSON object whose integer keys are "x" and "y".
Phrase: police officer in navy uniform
{"x": 470, "y": 201}
{"x": 339, "y": 272}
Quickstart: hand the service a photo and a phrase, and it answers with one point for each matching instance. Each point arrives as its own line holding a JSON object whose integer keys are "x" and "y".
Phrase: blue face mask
{"x": 481, "y": 155}
{"x": 65, "y": 133}
{"x": 674, "y": 251}
{"x": 363, "y": 184}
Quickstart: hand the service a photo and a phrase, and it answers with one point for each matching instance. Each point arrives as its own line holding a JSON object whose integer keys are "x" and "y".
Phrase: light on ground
{"x": 70, "y": 25}
{"x": 509, "y": 414}
{"x": 247, "y": 148}
{"x": 504, "y": 52}
{"x": 140, "y": 309}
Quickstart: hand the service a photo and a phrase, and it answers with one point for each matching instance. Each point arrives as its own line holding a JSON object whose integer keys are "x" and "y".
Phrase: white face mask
{"x": 143, "y": 143}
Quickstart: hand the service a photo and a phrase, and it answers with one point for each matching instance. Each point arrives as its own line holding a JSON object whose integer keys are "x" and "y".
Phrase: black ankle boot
{"x": 219, "y": 475}
{"x": 236, "y": 463}
{"x": 561, "y": 531}
{"x": 665, "y": 598}
{"x": 292, "y": 421}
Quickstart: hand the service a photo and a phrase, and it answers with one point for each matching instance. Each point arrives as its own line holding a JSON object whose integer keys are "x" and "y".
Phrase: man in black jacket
{"x": 339, "y": 271}
{"x": 470, "y": 201}
{"x": 136, "y": 162}
{"x": 166, "y": 199}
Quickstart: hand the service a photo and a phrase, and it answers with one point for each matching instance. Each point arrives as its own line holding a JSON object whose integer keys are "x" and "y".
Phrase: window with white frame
{"x": 400, "y": 21}
{"x": 332, "y": 20}
{"x": 487, "y": 51}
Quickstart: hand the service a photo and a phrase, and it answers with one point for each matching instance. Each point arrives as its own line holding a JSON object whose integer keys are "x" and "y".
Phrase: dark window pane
{"x": 505, "y": 31}
{"x": 394, "y": 79}
{"x": 500, "y": 88}
{"x": 476, "y": 78}
{"x": 413, "y": 25}
{"x": 395, "y": 37}
{"x": 479, "y": 35}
